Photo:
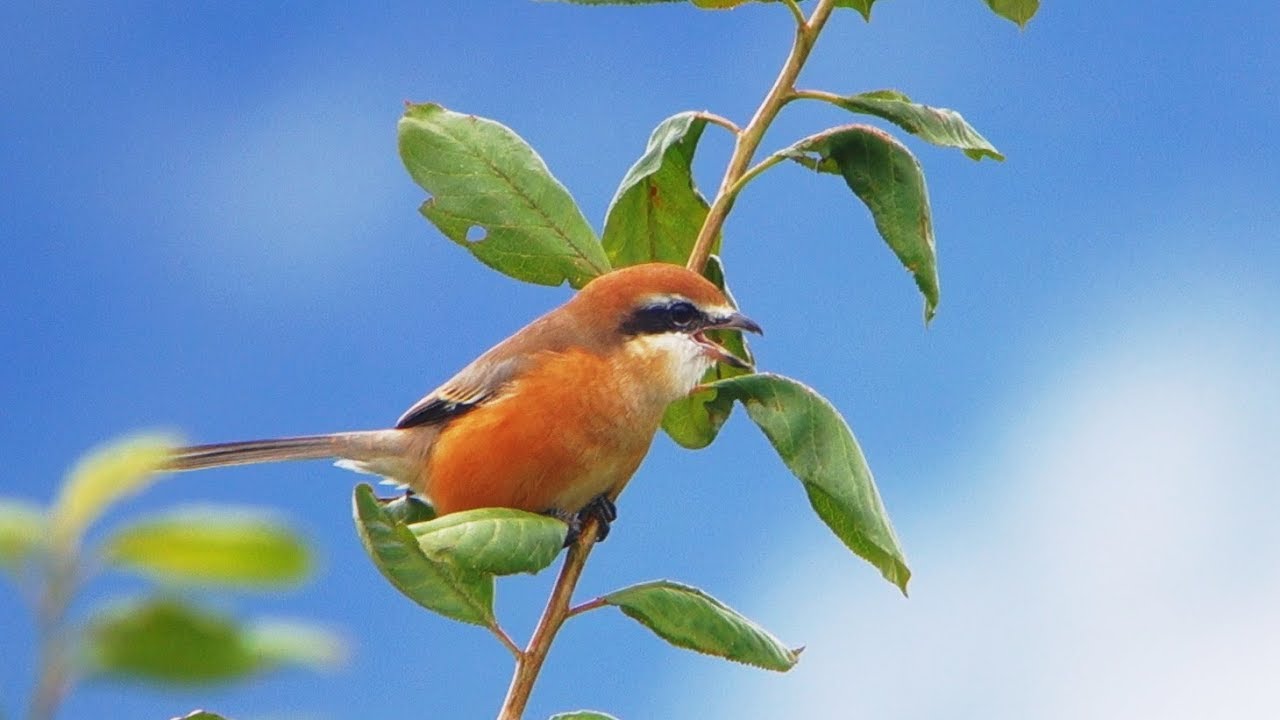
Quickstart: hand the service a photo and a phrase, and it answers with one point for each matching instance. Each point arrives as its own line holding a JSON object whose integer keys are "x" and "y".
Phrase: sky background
{"x": 206, "y": 229}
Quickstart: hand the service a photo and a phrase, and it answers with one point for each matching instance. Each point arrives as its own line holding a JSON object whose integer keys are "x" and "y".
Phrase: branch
{"x": 750, "y": 137}
{"x": 529, "y": 662}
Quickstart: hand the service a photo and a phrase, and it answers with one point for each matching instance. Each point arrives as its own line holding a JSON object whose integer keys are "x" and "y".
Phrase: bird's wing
{"x": 476, "y": 384}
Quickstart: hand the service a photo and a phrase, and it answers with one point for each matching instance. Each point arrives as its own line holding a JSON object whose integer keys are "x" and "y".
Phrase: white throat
{"x": 682, "y": 360}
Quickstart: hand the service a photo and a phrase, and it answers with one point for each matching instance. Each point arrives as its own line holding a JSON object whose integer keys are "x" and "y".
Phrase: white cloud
{"x": 1118, "y": 558}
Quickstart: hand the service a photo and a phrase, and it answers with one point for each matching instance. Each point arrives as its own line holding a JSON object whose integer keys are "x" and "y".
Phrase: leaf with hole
{"x": 884, "y": 174}
{"x": 438, "y": 586}
{"x": 657, "y": 211}
{"x": 170, "y": 641}
{"x": 694, "y": 421}
{"x": 24, "y": 529}
{"x": 819, "y": 448}
{"x": 940, "y": 126}
{"x": 104, "y": 477}
{"x": 212, "y": 546}
{"x": 496, "y": 541}
{"x": 480, "y": 174}
{"x": 689, "y": 618}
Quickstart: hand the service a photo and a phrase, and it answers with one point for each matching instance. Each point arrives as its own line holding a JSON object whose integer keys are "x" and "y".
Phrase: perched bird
{"x": 555, "y": 419}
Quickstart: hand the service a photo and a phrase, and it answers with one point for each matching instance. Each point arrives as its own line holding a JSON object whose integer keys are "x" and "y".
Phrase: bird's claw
{"x": 601, "y": 508}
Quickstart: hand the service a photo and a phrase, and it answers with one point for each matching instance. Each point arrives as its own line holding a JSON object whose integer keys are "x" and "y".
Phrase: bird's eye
{"x": 682, "y": 314}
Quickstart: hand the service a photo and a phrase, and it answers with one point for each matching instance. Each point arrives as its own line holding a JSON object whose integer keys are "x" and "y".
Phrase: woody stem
{"x": 529, "y": 662}
{"x": 749, "y": 138}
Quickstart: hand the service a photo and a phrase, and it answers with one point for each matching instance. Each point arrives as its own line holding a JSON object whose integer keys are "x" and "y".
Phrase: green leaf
{"x": 169, "y": 641}
{"x": 23, "y": 531}
{"x": 862, "y": 6}
{"x": 104, "y": 477}
{"x": 296, "y": 643}
{"x": 689, "y": 618}
{"x": 496, "y": 541}
{"x": 408, "y": 509}
{"x": 1019, "y": 11}
{"x": 819, "y": 448}
{"x": 212, "y": 546}
{"x": 199, "y": 715}
{"x": 884, "y": 174}
{"x": 939, "y": 126}
{"x": 480, "y": 174}
{"x": 583, "y": 715}
{"x": 656, "y": 213}
{"x": 438, "y": 586}
{"x": 694, "y": 421}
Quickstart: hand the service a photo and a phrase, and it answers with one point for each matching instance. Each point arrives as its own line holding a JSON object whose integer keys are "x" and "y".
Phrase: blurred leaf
{"x": 1019, "y": 11}
{"x": 296, "y": 643}
{"x": 887, "y": 177}
{"x": 170, "y": 641}
{"x": 496, "y": 541}
{"x": 939, "y": 126}
{"x": 816, "y": 444}
{"x": 694, "y": 421}
{"x": 23, "y": 531}
{"x": 438, "y": 586}
{"x": 657, "y": 212}
{"x": 481, "y": 174}
{"x": 103, "y": 477}
{"x": 689, "y": 618}
{"x": 583, "y": 715}
{"x": 212, "y": 546}
{"x": 408, "y": 509}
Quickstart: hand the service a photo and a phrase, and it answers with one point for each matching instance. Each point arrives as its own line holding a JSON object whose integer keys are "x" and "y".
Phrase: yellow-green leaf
{"x": 819, "y": 448}
{"x": 23, "y": 531}
{"x": 1019, "y": 11}
{"x": 439, "y": 586}
{"x": 690, "y": 618}
{"x": 493, "y": 195}
{"x": 212, "y": 546}
{"x": 497, "y": 541}
{"x": 884, "y": 174}
{"x": 104, "y": 477}
{"x": 940, "y": 126}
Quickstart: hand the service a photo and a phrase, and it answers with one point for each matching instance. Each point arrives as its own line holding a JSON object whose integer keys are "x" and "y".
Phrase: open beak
{"x": 732, "y": 321}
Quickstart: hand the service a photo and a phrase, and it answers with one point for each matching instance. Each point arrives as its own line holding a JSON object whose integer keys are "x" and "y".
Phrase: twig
{"x": 750, "y": 137}
{"x": 529, "y": 663}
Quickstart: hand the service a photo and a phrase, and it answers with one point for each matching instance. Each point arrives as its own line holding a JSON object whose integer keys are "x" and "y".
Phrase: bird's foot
{"x": 601, "y": 508}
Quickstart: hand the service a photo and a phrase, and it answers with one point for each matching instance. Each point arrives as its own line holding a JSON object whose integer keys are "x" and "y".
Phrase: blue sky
{"x": 207, "y": 229}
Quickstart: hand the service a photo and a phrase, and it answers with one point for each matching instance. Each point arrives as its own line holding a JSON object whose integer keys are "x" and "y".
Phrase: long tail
{"x": 375, "y": 448}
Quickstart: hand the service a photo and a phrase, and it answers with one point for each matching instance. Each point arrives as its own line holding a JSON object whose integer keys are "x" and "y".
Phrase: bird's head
{"x": 660, "y": 314}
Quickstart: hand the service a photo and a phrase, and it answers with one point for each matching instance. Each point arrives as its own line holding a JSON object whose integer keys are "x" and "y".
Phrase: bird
{"x": 555, "y": 419}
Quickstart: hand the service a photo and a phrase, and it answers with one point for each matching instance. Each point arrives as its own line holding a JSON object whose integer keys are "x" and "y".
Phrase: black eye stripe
{"x": 664, "y": 316}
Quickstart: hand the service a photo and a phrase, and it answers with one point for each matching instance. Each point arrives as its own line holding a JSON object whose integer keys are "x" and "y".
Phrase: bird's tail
{"x": 373, "y": 447}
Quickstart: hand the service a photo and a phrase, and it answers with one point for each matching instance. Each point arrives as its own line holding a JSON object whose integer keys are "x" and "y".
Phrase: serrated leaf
{"x": 441, "y": 587}
{"x": 479, "y": 173}
{"x": 694, "y": 421}
{"x": 583, "y": 715}
{"x": 170, "y": 641}
{"x": 24, "y": 530}
{"x": 884, "y": 174}
{"x": 819, "y": 448}
{"x": 940, "y": 126}
{"x": 657, "y": 211}
{"x": 212, "y": 546}
{"x": 1019, "y": 11}
{"x": 496, "y": 541}
{"x": 104, "y": 477}
{"x": 689, "y": 618}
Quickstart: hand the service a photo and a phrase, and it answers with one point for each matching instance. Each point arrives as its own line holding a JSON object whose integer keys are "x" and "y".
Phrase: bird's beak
{"x": 732, "y": 321}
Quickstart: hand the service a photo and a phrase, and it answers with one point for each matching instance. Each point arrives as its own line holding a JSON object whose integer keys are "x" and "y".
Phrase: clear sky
{"x": 206, "y": 229}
